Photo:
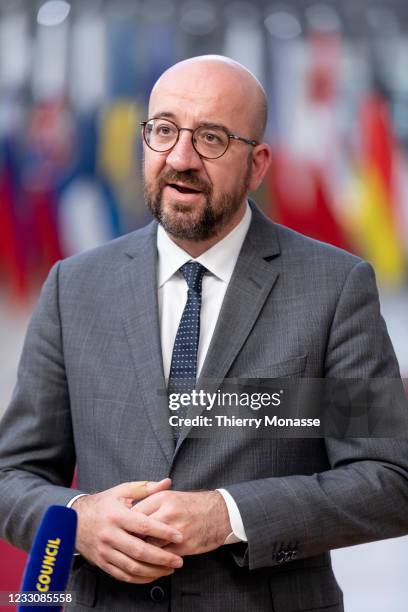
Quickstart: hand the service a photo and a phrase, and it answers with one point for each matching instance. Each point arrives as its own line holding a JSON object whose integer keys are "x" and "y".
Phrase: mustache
{"x": 188, "y": 178}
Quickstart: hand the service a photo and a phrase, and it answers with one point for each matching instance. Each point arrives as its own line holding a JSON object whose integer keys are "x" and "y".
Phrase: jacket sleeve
{"x": 364, "y": 495}
{"x": 37, "y": 454}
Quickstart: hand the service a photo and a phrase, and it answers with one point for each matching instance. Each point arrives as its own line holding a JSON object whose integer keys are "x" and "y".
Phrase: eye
{"x": 163, "y": 130}
{"x": 211, "y": 138}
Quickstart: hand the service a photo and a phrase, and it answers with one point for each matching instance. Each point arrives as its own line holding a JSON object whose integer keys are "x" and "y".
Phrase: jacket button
{"x": 157, "y": 593}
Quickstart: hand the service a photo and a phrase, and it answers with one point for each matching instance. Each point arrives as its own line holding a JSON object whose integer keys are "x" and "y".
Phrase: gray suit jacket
{"x": 87, "y": 394}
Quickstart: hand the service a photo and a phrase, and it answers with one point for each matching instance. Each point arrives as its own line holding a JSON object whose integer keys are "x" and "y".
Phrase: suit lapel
{"x": 141, "y": 323}
{"x": 252, "y": 281}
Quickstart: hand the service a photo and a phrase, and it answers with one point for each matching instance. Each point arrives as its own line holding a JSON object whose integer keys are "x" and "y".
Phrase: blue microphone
{"x": 50, "y": 560}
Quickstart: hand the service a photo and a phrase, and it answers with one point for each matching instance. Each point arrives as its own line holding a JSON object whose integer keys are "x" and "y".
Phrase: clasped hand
{"x": 201, "y": 517}
{"x": 143, "y": 542}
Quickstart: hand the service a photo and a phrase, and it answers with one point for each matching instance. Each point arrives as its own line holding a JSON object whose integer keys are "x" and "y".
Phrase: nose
{"x": 183, "y": 156}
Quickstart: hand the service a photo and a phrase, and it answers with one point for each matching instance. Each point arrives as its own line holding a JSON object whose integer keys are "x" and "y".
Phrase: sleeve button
{"x": 280, "y": 557}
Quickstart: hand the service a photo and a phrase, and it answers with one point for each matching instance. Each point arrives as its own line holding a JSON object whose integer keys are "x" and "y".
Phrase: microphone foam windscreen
{"x": 50, "y": 560}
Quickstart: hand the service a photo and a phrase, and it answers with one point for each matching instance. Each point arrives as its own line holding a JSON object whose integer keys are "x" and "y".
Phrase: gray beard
{"x": 206, "y": 226}
{"x": 213, "y": 217}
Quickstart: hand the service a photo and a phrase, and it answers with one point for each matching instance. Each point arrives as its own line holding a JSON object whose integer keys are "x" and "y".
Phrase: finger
{"x": 142, "y": 525}
{"x": 128, "y": 501}
{"x": 148, "y": 505}
{"x": 119, "y": 575}
{"x": 135, "y": 568}
{"x": 140, "y": 489}
{"x": 156, "y": 487}
{"x": 138, "y": 550}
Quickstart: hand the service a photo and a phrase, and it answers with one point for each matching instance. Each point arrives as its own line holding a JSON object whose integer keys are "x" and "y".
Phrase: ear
{"x": 261, "y": 159}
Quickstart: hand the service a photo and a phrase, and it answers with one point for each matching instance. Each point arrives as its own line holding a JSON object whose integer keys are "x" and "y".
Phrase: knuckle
{"x": 111, "y": 516}
{"x": 168, "y": 512}
{"x": 173, "y": 506}
{"x": 138, "y": 550}
{"x": 105, "y": 536}
{"x": 143, "y": 525}
{"x": 132, "y": 568}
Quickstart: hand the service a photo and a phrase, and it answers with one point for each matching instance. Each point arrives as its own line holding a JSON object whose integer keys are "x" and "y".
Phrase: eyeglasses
{"x": 209, "y": 141}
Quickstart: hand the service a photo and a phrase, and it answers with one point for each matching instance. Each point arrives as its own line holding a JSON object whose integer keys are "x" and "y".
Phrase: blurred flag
{"x": 88, "y": 212}
{"x": 119, "y": 127}
{"x": 14, "y": 67}
{"x": 303, "y": 171}
{"x": 82, "y": 220}
{"x": 48, "y": 149}
{"x": 119, "y": 134}
{"x": 373, "y": 214}
{"x": 12, "y": 260}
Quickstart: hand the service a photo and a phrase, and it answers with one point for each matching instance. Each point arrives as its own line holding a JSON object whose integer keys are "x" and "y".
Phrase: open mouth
{"x": 182, "y": 189}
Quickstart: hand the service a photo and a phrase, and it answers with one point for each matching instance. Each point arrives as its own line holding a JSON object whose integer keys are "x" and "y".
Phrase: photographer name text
{"x": 232, "y": 421}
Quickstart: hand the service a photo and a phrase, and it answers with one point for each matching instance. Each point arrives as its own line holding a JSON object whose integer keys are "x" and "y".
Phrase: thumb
{"x": 140, "y": 489}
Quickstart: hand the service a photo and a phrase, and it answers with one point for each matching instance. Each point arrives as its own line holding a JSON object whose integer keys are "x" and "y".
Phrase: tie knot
{"x": 193, "y": 273}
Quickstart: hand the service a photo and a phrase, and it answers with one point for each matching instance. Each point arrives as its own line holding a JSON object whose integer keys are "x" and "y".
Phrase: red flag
{"x": 12, "y": 261}
{"x": 302, "y": 200}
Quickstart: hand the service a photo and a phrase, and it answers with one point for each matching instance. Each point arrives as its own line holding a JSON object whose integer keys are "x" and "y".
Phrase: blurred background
{"x": 74, "y": 83}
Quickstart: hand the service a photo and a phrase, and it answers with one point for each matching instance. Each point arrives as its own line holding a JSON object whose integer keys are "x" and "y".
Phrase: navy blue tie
{"x": 183, "y": 369}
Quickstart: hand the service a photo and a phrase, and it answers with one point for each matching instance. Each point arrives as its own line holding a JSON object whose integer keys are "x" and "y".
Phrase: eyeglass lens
{"x": 161, "y": 135}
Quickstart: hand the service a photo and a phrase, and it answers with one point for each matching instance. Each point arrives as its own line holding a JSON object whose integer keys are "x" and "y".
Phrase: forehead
{"x": 199, "y": 94}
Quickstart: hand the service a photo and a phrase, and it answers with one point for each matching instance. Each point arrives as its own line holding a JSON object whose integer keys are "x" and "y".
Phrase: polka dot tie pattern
{"x": 183, "y": 369}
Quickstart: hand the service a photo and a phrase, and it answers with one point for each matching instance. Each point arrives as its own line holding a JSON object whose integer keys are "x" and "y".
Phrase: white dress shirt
{"x": 220, "y": 262}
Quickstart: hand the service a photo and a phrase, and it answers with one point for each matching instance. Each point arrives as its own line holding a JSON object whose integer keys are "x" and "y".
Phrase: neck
{"x": 195, "y": 248}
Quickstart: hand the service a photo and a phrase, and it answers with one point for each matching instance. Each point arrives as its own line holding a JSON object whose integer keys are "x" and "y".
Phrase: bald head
{"x": 217, "y": 80}
{"x": 203, "y": 149}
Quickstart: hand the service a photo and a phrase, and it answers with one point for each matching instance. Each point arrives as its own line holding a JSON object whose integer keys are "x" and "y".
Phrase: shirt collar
{"x": 220, "y": 259}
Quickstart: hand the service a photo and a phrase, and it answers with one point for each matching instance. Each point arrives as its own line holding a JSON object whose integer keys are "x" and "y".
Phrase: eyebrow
{"x": 208, "y": 124}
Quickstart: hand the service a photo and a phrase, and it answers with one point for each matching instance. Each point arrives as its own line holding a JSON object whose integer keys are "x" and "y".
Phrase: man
{"x": 213, "y": 290}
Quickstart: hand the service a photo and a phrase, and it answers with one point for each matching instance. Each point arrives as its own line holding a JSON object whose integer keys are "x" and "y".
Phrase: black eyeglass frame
{"x": 143, "y": 125}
